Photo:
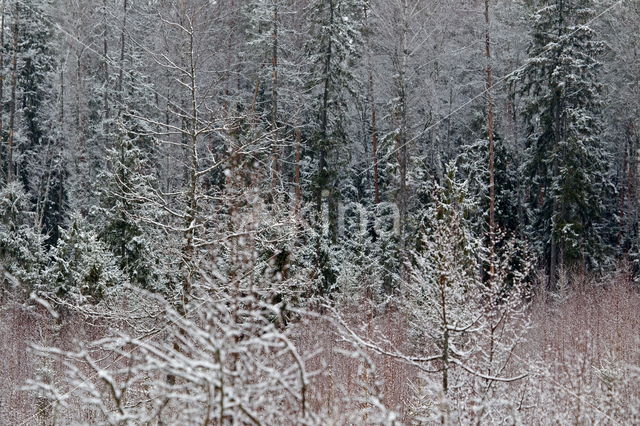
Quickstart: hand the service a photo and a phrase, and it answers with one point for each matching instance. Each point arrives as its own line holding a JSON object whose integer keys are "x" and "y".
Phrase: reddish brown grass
{"x": 571, "y": 349}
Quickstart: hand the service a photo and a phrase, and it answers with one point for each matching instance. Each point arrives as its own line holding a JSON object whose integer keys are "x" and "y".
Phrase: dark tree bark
{"x": 12, "y": 106}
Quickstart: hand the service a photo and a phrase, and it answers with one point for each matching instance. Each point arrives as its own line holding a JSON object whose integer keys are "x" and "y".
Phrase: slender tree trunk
{"x": 254, "y": 101}
{"x": 374, "y": 142}
{"x": 625, "y": 175}
{"x": 2, "y": 15}
{"x": 192, "y": 209}
{"x": 120, "y": 83}
{"x": 62, "y": 98}
{"x": 442, "y": 283}
{"x": 228, "y": 74}
{"x": 374, "y": 128}
{"x": 553, "y": 262}
{"x": 298, "y": 137}
{"x": 122, "y": 52}
{"x": 12, "y": 107}
{"x": 324, "y": 175}
{"x": 274, "y": 94}
{"x": 79, "y": 119}
{"x": 633, "y": 180}
{"x": 554, "y": 249}
{"x": 401, "y": 115}
{"x": 324, "y": 113}
{"x": 492, "y": 188}
{"x": 105, "y": 64}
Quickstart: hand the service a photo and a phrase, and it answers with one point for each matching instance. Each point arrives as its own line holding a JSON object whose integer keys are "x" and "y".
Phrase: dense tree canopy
{"x": 447, "y": 159}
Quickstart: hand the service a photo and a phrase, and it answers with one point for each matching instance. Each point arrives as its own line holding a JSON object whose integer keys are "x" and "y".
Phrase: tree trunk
{"x": 442, "y": 283}
{"x": 374, "y": 127}
{"x": 122, "y": 51}
{"x": 192, "y": 198}
{"x": 374, "y": 142}
{"x": 105, "y": 63}
{"x": 558, "y": 135}
{"x": 401, "y": 117}
{"x": 325, "y": 181}
{"x": 492, "y": 192}
{"x": 2, "y": 14}
{"x": 554, "y": 250}
{"x": 553, "y": 261}
{"x": 274, "y": 95}
{"x": 12, "y": 107}
{"x": 298, "y": 137}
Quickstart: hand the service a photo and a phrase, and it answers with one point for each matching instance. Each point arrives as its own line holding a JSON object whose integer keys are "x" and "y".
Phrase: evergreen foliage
{"x": 445, "y": 281}
{"x": 39, "y": 147}
{"x": 22, "y": 249}
{"x": 82, "y": 270}
{"x": 205, "y": 173}
{"x": 337, "y": 27}
{"x": 567, "y": 161}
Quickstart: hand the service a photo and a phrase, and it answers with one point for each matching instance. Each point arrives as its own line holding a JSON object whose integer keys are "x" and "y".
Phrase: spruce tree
{"x": 38, "y": 143}
{"x": 125, "y": 212}
{"x": 275, "y": 50}
{"x": 445, "y": 280}
{"x": 567, "y": 161}
{"x": 22, "y": 252}
{"x": 82, "y": 269}
{"x": 334, "y": 49}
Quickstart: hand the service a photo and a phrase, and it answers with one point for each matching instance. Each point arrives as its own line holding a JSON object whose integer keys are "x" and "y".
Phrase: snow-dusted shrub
{"x": 22, "y": 251}
{"x": 81, "y": 268}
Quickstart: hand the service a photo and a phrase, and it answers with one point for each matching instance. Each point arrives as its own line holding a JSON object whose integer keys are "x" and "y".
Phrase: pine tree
{"x": 125, "y": 212}
{"x": 82, "y": 269}
{"x": 622, "y": 115}
{"x": 473, "y": 166}
{"x": 465, "y": 322}
{"x": 38, "y": 143}
{"x": 334, "y": 49}
{"x": 567, "y": 161}
{"x": 274, "y": 46}
{"x": 445, "y": 274}
{"x": 22, "y": 250}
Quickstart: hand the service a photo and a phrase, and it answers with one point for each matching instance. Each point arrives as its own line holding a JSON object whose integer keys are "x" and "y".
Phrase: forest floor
{"x": 582, "y": 353}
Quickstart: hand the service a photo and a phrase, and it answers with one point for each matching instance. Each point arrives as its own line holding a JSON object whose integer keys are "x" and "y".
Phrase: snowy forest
{"x": 319, "y": 212}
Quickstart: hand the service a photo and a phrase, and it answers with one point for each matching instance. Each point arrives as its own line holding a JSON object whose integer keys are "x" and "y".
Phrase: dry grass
{"x": 342, "y": 373}
{"x": 17, "y": 328}
{"x": 582, "y": 352}
{"x": 21, "y": 327}
{"x": 587, "y": 349}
